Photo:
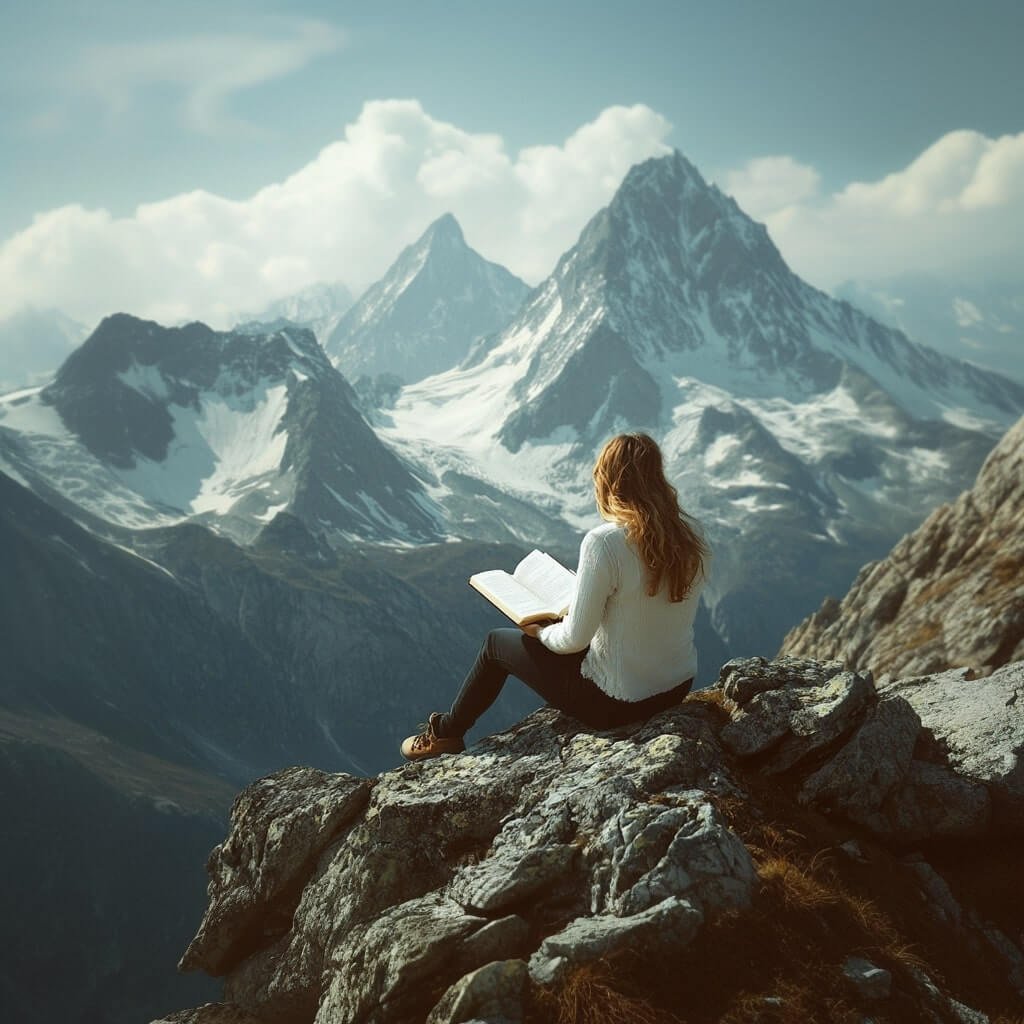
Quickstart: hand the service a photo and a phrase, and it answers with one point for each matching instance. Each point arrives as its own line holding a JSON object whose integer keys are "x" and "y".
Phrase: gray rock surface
{"x": 210, "y": 1013}
{"x": 280, "y": 825}
{"x": 449, "y": 890}
{"x": 450, "y": 865}
{"x": 949, "y": 594}
{"x": 980, "y": 725}
{"x": 870, "y": 765}
{"x": 798, "y": 712}
{"x": 793, "y": 708}
{"x": 494, "y": 993}
{"x": 871, "y": 981}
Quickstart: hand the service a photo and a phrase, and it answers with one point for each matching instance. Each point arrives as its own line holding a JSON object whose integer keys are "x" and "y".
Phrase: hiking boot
{"x": 429, "y": 744}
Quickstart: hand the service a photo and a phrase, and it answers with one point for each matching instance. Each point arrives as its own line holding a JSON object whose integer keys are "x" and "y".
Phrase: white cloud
{"x": 209, "y": 68}
{"x": 957, "y": 211}
{"x": 343, "y": 216}
{"x": 770, "y": 183}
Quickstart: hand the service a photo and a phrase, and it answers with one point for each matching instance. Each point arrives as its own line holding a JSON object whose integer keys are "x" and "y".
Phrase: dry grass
{"x": 789, "y": 1004}
{"x": 712, "y": 695}
{"x": 780, "y": 961}
{"x": 797, "y": 889}
{"x": 1008, "y": 571}
{"x": 924, "y": 634}
{"x": 597, "y": 994}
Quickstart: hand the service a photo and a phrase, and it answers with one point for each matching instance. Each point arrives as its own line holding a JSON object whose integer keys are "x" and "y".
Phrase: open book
{"x": 539, "y": 588}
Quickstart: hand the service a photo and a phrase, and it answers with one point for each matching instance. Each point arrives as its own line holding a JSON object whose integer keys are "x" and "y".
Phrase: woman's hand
{"x": 533, "y": 628}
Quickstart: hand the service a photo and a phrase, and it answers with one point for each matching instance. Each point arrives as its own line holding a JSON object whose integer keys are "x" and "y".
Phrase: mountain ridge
{"x": 674, "y": 302}
{"x": 435, "y": 301}
{"x": 147, "y": 425}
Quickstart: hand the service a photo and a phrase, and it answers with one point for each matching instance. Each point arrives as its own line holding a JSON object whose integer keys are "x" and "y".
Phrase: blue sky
{"x": 186, "y": 136}
{"x": 855, "y": 90}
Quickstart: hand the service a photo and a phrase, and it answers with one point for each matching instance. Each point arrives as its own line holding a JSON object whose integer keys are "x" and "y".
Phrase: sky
{"x": 195, "y": 160}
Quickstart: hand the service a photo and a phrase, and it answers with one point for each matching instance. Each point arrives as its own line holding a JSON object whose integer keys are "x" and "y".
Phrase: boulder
{"x": 869, "y": 766}
{"x": 210, "y": 1013}
{"x": 792, "y": 708}
{"x": 494, "y": 992}
{"x": 868, "y": 980}
{"x": 279, "y": 827}
{"x": 448, "y": 889}
{"x": 455, "y": 863}
{"x": 979, "y": 723}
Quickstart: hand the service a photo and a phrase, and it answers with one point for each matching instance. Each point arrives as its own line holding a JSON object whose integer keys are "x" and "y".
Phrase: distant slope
{"x": 102, "y": 856}
{"x": 948, "y": 595}
{"x": 435, "y": 302}
{"x": 806, "y": 436}
{"x": 147, "y": 426}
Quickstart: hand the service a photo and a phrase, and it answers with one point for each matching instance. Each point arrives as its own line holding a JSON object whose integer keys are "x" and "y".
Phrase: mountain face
{"x": 146, "y": 425}
{"x": 140, "y": 688}
{"x": 318, "y": 307}
{"x": 950, "y": 594}
{"x": 423, "y": 317}
{"x": 804, "y": 435}
{"x": 981, "y": 324}
{"x": 550, "y": 867}
{"x": 33, "y": 343}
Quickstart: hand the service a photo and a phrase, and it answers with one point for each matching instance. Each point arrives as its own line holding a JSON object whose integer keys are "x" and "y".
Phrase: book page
{"x": 509, "y": 595}
{"x": 548, "y": 579}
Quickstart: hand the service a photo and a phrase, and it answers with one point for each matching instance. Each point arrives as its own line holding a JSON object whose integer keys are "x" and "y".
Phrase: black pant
{"x": 555, "y": 677}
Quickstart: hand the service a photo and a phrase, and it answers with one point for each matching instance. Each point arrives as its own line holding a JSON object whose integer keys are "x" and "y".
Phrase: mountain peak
{"x": 434, "y": 303}
{"x": 446, "y": 230}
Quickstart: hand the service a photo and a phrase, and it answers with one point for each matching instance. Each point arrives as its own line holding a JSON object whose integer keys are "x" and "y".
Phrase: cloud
{"x": 956, "y": 211}
{"x": 208, "y": 68}
{"x": 770, "y": 183}
{"x": 343, "y": 216}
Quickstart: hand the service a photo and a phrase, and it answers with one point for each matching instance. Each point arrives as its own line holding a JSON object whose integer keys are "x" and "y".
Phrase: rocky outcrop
{"x": 950, "y": 594}
{"x": 471, "y": 887}
{"x": 979, "y": 725}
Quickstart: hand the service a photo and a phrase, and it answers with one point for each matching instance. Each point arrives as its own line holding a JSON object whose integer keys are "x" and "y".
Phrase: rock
{"x": 932, "y": 802}
{"x": 396, "y": 966}
{"x": 980, "y": 725}
{"x": 930, "y": 996}
{"x": 743, "y": 678}
{"x": 210, "y": 1013}
{"x": 870, "y": 981}
{"x": 452, "y": 863}
{"x": 853, "y": 850}
{"x": 661, "y": 851}
{"x": 444, "y": 888}
{"x": 950, "y": 594}
{"x": 279, "y": 827}
{"x": 664, "y": 930}
{"x": 494, "y": 992}
{"x": 809, "y": 708}
{"x": 1009, "y": 952}
{"x": 872, "y": 763}
{"x": 497, "y": 939}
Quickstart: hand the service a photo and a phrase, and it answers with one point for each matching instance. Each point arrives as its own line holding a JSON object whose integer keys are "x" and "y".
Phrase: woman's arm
{"x": 595, "y": 581}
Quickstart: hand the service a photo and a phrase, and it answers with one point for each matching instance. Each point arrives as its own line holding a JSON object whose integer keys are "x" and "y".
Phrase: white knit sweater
{"x": 639, "y": 645}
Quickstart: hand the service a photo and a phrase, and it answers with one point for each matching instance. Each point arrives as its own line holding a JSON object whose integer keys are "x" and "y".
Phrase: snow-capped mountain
{"x": 980, "y": 324}
{"x": 319, "y": 307}
{"x": 145, "y": 425}
{"x": 434, "y": 303}
{"x": 804, "y": 434}
{"x": 33, "y": 343}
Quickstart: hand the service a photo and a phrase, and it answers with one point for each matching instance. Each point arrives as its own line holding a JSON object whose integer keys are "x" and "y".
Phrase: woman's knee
{"x": 500, "y": 642}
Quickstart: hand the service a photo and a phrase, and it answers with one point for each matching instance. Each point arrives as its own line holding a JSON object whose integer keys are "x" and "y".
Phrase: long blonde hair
{"x": 631, "y": 489}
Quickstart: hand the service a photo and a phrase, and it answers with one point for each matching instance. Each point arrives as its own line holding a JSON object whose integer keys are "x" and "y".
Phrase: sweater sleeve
{"x": 595, "y": 582}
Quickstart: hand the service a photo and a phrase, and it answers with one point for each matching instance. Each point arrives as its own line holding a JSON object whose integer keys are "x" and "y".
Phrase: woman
{"x": 625, "y": 650}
